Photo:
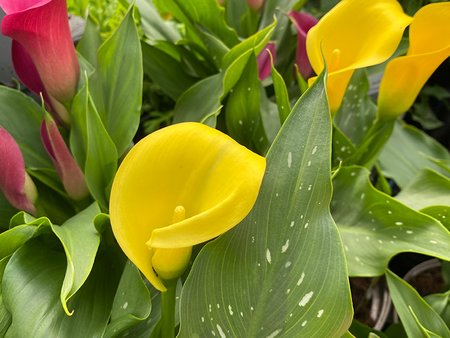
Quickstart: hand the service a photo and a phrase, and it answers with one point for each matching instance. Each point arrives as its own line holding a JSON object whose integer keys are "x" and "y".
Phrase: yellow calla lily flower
{"x": 354, "y": 34}
{"x": 404, "y": 77}
{"x": 178, "y": 187}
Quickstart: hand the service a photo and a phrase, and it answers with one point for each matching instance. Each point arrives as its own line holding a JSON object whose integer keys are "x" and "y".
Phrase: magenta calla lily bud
{"x": 264, "y": 63}
{"x": 303, "y": 23}
{"x": 41, "y": 34}
{"x": 68, "y": 170}
{"x": 256, "y": 5}
{"x": 15, "y": 183}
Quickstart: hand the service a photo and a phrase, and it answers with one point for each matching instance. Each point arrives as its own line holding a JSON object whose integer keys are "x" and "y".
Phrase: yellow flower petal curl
{"x": 178, "y": 187}
{"x": 405, "y": 76}
{"x": 354, "y": 34}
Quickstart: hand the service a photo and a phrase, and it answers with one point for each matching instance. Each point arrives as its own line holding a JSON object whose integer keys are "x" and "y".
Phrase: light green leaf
{"x": 440, "y": 302}
{"x": 80, "y": 241}
{"x": 281, "y": 271}
{"x": 408, "y": 152}
{"x": 439, "y": 212}
{"x": 132, "y": 302}
{"x": 374, "y": 226}
{"x": 428, "y": 188}
{"x": 5, "y": 316}
{"x": 242, "y": 114}
{"x": 116, "y": 86}
{"x": 418, "y": 318}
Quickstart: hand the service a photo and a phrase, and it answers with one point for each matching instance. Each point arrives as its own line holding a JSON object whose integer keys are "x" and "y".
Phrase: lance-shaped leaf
{"x": 354, "y": 34}
{"x": 67, "y": 168}
{"x": 404, "y": 77}
{"x": 41, "y": 34}
{"x": 377, "y": 227}
{"x": 418, "y": 318}
{"x": 281, "y": 272}
{"x": 178, "y": 187}
{"x": 15, "y": 183}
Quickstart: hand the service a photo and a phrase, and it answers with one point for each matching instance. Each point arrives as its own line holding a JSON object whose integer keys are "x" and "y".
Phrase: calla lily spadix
{"x": 41, "y": 36}
{"x": 404, "y": 77}
{"x": 180, "y": 186}
{"x": 354, "y": 34}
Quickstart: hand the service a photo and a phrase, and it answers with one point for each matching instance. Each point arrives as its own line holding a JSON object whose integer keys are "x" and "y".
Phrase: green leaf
{"x": 282, "y": 270}
{"x": 132, "y": 303}
{"x": 117, "y": 83}
{"x": 31, "y": 286}
{"x": 90, "y": 42}
{"x": 428, "y": 188}
{"x": 5, "y": 316}
{"x": 440, "y": 303}
{"x": 207, "y": 91}
{"x": 201, "y": 13}
{"x": 418, "y": 318}
{"x": 357, "y": 112}
{"x": 80, "y": 241}
{"x": 374, "y": 226}
{"x": 439, "y": 212}
{"x": 166, "y": 71}
{"x": 242, "y": 115}
{"x": 6, "y": 212}
{"x": 154, "y": 26}
{"x": 408, "y": 152}
{"x": 281, "y": 93}
{"x": 92, "y": 147}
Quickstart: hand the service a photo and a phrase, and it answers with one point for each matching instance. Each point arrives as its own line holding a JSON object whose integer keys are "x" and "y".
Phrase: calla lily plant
{"x": 223, "y": 168}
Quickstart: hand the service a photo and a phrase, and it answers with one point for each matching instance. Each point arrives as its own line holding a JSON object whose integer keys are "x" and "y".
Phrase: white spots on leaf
{"x": 125, "y": 305}
{"x": 253, "y": 239}
{"x": 309, "y": 163}
{"x": 394, "y": 237}
{"x": 292, "y": 224}
{"x": 306, "y": 298}
{"x": 230, "y": 310}
{"x": 268, "y": 256}
{"x": 289, "y": 159}
{"x": 285, "y": 247}
{"x": 221, "y": 333}
{"x": 368, "y": 238}
{"x": 319, "y": 313}
{"x": 409, "y": 232}
{"x": 309, "y": 187}
{"x": 203, "y": 319}
{"x": 363, "y": 195}
{"x": 433, "y": 242}
{"x": 288, "y": 264}
{"x": 304, "y": 323}
{"x": 218, "y": 305}
{"x": 209, "y": 308}
{"x": 352, "y": 173}
{"x": 357, "y": 259}
{"x": 346, "y": 247}
{"x": 380, "y": 241}
{"x": 389, "y": 212}
{"x": 398, "y": 223}
{"x": 302, "y": 277}
{"x": 314, "y": 150}
{"x": 240, "y": 122}
{"x": 242, "y": 314}
{"x": 287, "y": 291}
{"x": 306, "y": 224}
{"x": 251, "y": 308}
{"x": 274, "y": 333}
{"x": 301, "y": 216}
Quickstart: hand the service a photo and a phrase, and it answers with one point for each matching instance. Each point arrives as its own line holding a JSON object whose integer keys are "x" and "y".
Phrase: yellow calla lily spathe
{"x": 404, "y": 77}
{"x": 180, "y": 186}
{"x": 354, "y": 34}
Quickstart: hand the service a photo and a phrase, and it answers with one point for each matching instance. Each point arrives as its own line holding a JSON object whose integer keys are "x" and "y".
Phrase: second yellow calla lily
{"x": 354, "y": 34}
{"x": 404, "y": 77}
{"x": 180, "y": 186}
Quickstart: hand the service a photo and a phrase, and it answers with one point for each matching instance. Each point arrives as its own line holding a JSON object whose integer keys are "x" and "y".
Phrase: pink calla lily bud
{"x": 302, "y": 22}
{"x": 41, "y": 34}
{"x": 264, "y": 64}
{"x": 256, "y": 5}
{"x": 15, "y": 183}
{"x": 68, "y": 170}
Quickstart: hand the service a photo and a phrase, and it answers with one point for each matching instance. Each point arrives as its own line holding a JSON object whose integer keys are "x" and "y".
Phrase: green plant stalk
{"x": 168, "y": 309}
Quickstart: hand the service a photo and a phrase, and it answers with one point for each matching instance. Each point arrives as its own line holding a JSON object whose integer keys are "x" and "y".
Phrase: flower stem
{"x": 168, "y": 309}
